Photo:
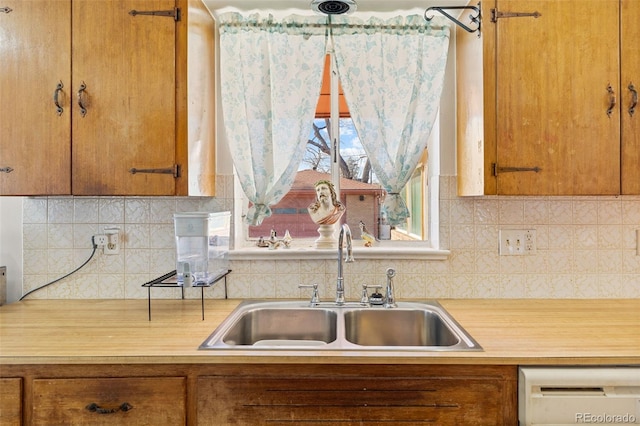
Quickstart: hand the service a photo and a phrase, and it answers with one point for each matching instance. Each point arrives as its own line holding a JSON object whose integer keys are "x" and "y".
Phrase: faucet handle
{"x": 364, "y": 300}
{"x": 315, "y": 298}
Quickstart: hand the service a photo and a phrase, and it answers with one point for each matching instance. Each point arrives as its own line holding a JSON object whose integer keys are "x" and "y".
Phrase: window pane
{"x": 359, "y": 191}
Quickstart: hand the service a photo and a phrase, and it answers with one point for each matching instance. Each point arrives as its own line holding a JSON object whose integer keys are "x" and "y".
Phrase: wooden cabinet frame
{"x": 212, "y": 391}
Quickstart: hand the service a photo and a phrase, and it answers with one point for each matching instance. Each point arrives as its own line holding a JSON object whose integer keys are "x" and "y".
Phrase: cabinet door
{"x": 443, "y": 399}
{"x": 126, "y": 67}
{"x": 630, "y": 57}
{"x": 557, "y": 76}
{"x": 35, "y": 137}
{"x": 10, "y": 401}
{"x": 109, "y": 401}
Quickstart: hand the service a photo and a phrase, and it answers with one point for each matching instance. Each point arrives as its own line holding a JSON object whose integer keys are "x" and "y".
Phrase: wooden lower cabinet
{"x": 10, "y": 401}
{"x": 258, "y": 394}
{"x": 359, "y": 395}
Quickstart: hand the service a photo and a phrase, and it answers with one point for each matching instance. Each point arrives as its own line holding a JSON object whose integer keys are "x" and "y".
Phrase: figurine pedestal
{"x": 326, "y": 240}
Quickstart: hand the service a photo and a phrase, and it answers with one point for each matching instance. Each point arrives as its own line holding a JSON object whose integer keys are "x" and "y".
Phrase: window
{"x": 395, "y": 91}
{"x": 353, "y": 178}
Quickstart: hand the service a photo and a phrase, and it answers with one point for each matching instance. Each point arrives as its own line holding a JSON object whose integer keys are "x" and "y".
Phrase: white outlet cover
{"x": 517, "y": 242}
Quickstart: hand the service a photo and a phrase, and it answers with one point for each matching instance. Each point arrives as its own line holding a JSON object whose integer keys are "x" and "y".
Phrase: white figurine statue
{"x": 326, "y": 211}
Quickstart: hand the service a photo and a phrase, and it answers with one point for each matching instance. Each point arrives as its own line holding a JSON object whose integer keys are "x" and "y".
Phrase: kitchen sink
{"x": 398, "y": 327}
{"x": 279, "y": 326}
{"x": 294, "y": 325}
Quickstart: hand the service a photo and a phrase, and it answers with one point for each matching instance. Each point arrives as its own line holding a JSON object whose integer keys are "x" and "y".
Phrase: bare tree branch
{"x": 348, "y": 169}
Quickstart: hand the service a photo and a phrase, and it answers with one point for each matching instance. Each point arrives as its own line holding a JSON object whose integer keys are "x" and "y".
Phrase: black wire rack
{"x": 170, "y": 280}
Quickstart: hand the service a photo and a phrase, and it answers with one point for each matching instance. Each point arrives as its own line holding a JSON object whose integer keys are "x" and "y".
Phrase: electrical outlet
{"x": 530, "y": 241}
{"x": 113, "y": 240}
{"x": 100, "y": 240}
{"x": 517, "y": 242}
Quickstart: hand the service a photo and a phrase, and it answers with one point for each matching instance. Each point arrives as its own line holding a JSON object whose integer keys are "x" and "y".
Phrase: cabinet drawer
{"x": 10, "y": 401}
{"x": 98, "y": 401}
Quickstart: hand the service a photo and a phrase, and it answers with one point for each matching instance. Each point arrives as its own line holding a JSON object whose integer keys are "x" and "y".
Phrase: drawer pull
{"x": 95, "y": 408}
{"x": 634, "y": 99}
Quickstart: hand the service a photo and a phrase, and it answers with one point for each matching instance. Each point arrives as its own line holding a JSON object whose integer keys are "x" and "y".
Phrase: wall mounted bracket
{"x": 476, "y": 18}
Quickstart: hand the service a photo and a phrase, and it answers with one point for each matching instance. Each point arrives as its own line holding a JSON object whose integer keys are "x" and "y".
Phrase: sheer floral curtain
{"x": 271, "y": 75}
{"x": 392, "y": 73}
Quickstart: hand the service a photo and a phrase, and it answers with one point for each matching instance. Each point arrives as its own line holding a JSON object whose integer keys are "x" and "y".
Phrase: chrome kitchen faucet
{"x": 345, "y": 232}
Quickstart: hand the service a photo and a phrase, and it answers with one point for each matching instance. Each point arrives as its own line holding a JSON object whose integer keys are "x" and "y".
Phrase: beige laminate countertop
{"x": 523, "y": 332}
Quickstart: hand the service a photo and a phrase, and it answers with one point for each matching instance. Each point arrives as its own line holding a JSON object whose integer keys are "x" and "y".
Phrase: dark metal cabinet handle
{"x": 612, "y": 100}
{"x": 95, "y": 408}
{"x": 59, "y": 87}
{"x": 81, "y": 103}
{"x": 634, "y": 99}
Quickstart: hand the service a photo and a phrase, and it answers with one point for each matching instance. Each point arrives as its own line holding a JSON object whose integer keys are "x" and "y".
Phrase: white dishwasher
{"x": 562, "y": 396}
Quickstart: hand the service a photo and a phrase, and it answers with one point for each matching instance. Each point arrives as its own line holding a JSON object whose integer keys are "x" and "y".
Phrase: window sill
{"x": 302, "y": 251}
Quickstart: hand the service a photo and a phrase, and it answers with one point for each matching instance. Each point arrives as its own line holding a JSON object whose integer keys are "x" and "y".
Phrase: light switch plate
{"x": 517, "y": 242}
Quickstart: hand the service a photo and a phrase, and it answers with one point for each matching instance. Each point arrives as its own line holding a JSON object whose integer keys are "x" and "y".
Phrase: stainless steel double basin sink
{"x": 294, "y": 325}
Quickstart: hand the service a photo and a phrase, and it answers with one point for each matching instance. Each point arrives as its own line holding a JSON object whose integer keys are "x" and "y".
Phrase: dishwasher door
{"x": 562, "y": 396}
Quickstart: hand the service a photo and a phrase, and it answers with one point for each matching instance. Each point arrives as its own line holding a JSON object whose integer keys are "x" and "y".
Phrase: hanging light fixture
{"x": 333, "y": 7}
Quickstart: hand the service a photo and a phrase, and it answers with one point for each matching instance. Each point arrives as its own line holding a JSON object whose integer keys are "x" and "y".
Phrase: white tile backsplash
{"x": 60, "y": 210}
{"x": 111, "y": 210}
{"x": 136, "y": 210}
{"x": 585, "y": 249}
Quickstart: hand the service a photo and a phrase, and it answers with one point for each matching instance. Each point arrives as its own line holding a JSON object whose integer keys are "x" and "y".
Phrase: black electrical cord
{"x": 65, "y": 276}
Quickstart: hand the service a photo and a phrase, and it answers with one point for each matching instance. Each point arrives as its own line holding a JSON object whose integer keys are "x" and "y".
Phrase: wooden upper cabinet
{"x": 138, "y": 99}
{"x": 124, "y": 75}
{"x": 553, "y": 75}
{"x": 35, "y": 137}
{"x": 548, "y": 120}
{"x": 630, "y": 85}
